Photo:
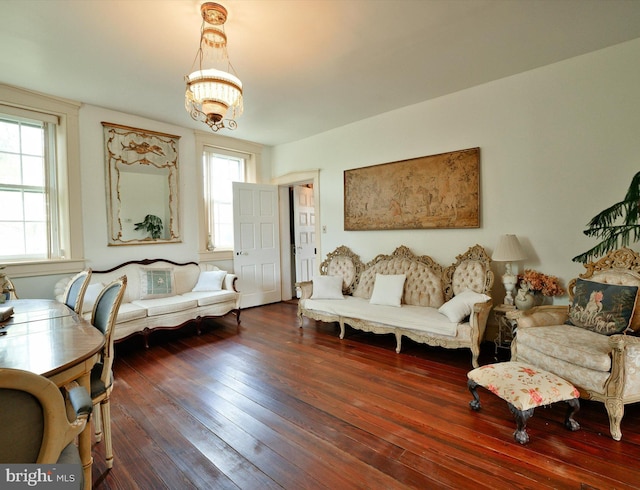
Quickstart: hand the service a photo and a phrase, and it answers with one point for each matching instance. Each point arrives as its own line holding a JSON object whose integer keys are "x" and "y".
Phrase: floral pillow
{"x": 602, "y": 308}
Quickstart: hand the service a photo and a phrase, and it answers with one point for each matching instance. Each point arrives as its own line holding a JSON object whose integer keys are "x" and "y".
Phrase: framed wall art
{"x": 436, "y": 191}
{"x": 142, "y": 185}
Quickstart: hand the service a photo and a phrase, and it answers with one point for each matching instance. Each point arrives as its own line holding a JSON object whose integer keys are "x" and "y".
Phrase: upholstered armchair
{"x": 35, "y": 426}
{"x": 591, "y": 342}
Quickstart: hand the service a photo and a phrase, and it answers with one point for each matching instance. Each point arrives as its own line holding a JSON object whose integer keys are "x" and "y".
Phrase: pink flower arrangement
{"x": 539, "y": 282}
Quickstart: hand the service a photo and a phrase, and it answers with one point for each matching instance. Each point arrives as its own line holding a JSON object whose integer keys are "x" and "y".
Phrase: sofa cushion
{"x": 129, "y": 311}
{"x": 170, "y": 304}
{"x": 461, "y": 305}
{"x": 327, "y": 287}
{"x": 210, "y": 281}
{"x": 409, "y": 317}
{"x": 602, "y": 308}
{"x": 206, "y": 298}
{"x": 156, "y": 283}
{"x": 575, "y": 345}
{"x": 387, "y": 289}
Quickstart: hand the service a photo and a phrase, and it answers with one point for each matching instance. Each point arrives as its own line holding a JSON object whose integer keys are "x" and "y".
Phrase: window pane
{"x": 12, "y": 243}
{"x": 11, "y": 205}
{"x": 33, "y": 171}
{"x": 32, "y": 140}
{"x": 10, "y": 169}
{"x": 9, "y": 136}
{"x": 36, "y": 239}
{"x": 35, "y": 208}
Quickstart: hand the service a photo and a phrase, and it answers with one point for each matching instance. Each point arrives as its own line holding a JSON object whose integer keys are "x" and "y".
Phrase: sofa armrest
{"x": 306, "y": 289}
{"x": 540, "y": 316}
{"x": 231, "y": 282}
{"x": 478, "y": 319}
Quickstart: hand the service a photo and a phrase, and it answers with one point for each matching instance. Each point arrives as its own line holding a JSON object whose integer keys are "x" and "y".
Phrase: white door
{"x": 256, "y": 236}
{"x": 304, "y": 228}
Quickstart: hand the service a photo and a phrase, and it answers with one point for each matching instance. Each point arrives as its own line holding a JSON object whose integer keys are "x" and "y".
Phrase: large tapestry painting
{"x": 436, "y": 191}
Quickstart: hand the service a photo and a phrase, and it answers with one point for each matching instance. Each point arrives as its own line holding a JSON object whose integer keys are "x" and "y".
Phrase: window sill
{"x": 43, "y": 267}
{"x": 207, "y": 256}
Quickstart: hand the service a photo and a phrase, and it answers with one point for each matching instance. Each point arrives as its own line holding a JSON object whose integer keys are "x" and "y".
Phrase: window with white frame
{"x": 29, "y": 222}
{"x": 220, "y": 169}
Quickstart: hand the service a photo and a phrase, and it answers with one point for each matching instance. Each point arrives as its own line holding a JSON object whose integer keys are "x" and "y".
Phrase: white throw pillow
{"x": 210, "y": 281}
{"x": 91, "y": 295}
{"x": 388, "y": 289}
{"x": 461, "y": 305}
{"x": 327, "y": 287}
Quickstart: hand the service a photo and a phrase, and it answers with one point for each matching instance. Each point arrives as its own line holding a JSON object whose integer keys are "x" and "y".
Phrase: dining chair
{"x": 35, "y": 424}
{"x": 77, "y": 287}
{"x": 103, "y": 317}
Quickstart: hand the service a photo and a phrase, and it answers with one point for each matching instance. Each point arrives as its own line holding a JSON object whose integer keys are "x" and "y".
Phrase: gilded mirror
{"x": 142, "y": 185}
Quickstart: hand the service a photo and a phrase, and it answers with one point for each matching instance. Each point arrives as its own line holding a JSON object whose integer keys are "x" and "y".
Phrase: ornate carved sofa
{"x": 191, "y": 292}
{"x": 602, "y": 363}
{"x": 445, "y": 307}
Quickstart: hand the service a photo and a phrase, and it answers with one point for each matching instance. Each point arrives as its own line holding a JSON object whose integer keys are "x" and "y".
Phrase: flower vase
{"x": 524, "y": 301}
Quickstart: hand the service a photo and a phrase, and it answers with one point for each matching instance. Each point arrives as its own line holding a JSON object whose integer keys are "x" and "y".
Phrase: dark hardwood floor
{"x": 274, "y": 406}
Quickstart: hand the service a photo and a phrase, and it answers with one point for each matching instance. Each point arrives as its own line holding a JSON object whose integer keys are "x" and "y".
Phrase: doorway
{"x": 286, "y": 184}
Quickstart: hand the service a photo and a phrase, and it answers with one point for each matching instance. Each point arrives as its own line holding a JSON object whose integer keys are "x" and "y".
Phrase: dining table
{"x": 48, "y": 338}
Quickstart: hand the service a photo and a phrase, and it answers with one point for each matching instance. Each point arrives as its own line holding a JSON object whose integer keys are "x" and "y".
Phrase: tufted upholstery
{"x": 604, "y": 368}
{"x": 427, "y": 285}
{"x": 423, "y": 286}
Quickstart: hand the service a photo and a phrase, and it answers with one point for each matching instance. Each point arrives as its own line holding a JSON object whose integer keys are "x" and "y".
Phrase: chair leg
{"x": 106, "y": 424}
{"x": 615, "y": 410}
{"x": 97, "y": 422}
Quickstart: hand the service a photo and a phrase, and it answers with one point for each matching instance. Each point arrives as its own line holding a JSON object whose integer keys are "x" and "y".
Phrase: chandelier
{"x": 213, "y": 94}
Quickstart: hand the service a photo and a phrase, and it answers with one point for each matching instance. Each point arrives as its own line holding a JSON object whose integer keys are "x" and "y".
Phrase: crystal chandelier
{"x": 213, "y": 94}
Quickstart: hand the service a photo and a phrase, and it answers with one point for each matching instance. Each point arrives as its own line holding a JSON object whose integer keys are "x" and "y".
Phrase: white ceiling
{"x": 307, "y": 65}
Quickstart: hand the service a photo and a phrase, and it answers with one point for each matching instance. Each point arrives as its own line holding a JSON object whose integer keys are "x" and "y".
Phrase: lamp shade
{"x": 508, "y": 249}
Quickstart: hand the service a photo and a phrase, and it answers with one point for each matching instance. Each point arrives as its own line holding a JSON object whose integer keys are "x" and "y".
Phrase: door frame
{"x": 284, "y": 182}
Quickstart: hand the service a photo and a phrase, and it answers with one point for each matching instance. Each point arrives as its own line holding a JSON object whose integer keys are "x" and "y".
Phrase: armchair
{"x": 598, "y": 352}
{"x": 35, "y": 427}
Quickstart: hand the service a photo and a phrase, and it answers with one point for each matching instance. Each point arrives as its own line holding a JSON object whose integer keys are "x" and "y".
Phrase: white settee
{"x": 162, "y": 294}
{"x": 445, "y": 307}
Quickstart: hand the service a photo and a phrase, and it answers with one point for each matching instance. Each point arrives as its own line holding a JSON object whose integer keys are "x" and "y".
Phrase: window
{"x": 40, "y": 185}
{"x": 224, "y": 160}
{"x": 220, "y": 169}
{"x": 28, "y": 188}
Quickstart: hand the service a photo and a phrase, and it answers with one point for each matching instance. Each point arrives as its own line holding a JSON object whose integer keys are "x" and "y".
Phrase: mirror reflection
{"x": 142, "y": 185}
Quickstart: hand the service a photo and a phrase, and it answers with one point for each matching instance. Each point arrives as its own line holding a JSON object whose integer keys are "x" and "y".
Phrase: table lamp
{"x": 508, "y": 250}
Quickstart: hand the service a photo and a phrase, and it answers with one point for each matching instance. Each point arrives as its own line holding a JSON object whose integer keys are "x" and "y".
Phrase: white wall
{"x": 558, "y": 145}
{"x": 94, "y": 193}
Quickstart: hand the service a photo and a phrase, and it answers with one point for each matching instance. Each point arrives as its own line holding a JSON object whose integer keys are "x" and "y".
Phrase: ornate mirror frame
{"x": 142, "y": 185}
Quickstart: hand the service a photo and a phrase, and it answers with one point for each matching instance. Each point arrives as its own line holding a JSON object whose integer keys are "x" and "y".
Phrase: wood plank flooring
{"x": 270, "y": 405}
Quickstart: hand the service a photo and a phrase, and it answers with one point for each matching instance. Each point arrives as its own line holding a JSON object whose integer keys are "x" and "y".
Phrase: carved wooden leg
{"x": 475, "y": 353}
{"x": 341, "y": 322}
{"x": 398, "y": 342}
{"x": 237, "y": 312}
{"x": 615, "y": 410}
{"x": 300, "y": 318}
{"x": 574, "y": 407}
{"x": 520, "y": 435}
{"x": 475, "y": 403}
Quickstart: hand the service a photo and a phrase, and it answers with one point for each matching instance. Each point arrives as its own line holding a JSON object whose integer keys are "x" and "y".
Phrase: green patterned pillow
{"x": 602, "y": 308}
{"x": 156, "y": 283}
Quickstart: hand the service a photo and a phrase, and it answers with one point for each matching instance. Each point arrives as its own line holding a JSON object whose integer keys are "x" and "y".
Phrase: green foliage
{"x": 613, "y": 231}
{"x": 152, "y": 224}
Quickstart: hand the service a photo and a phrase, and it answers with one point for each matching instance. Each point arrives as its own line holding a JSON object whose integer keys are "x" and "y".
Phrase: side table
{"x": 506, "y": 328}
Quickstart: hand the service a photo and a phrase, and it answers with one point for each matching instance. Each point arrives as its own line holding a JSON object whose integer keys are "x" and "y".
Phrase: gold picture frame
{"x": 436, "y": 191}
{"x": 142, "y": 185}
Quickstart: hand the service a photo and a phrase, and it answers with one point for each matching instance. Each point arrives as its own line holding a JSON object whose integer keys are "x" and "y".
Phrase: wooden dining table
{"x": 50, "y": 339}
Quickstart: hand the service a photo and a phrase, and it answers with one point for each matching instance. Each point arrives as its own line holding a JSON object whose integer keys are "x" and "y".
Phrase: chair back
{"x": 35, "y": 427}
{"x": 104, "y": 317}
{"x": 76, "y": 289}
